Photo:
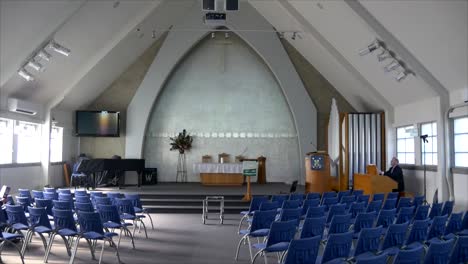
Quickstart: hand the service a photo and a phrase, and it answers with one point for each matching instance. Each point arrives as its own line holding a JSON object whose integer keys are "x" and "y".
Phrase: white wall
{"x": 22, "y": 177}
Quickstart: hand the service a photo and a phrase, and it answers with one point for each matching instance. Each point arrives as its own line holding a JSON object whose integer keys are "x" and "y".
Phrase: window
{"x": 460, "y": 140}
{"x": 405, "y": 145}
{"x": 56, "y": 144}
{"x": 28, "y": 148}
{"x": 6, "y": 141}
{"x": 429, "y": 149}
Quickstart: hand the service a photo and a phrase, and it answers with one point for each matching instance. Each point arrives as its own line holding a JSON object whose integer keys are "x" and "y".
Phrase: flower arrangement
{"x": 182, "y": 142}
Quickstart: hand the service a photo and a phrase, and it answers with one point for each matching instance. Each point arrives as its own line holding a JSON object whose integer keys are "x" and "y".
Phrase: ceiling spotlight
{"x": 385, "y": 54}
{"x": 36, "y": 65}
{"x": 294, "y": 36}
{"x": 153, "y": 35}
{"x": 44, "y": 55}
{"x": 281, "y": 35}
{"x": 392, "y": 66}
{"x": 373, "y": 46}
{"x": 26, "y": 75}
{"x": 213, "y": 35}
{"x": 59, "y": 48}
{"x": 401, "y": 76}
{"x": 226, "y": 35}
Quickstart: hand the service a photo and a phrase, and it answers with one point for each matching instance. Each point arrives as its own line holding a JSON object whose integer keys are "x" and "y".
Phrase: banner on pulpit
{"x": 250, "y": 168}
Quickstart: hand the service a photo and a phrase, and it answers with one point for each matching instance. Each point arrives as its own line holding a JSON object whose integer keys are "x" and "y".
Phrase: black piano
{"x": 97, "y": 169}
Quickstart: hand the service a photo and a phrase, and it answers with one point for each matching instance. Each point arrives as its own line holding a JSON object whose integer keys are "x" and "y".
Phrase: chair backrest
{"x": 404, "y": 202}
{"x": 438, "y": 252}
{"x": 409, "y": 256}
{"x": 395, "y": 235}
{"x": 256, "y": 202}
{"x": 379, "y": 259}
{"x": 109, "y": 213}
{"x": 448, "y": 208}
{"x": 358, "y": 192}
{"x": 328, "y": 195}
{"x": 336, "y": 209}
{"x": 386, "y": 217}
{"x": 374, "y": 206}
{"x": 37, "y": 194}
{"x": 50, "y": 195}
{"x": 207, "y": 159}
{"x": 114, "y": 195}
{"x": 64, "y": 219}
{"x": 340, "y": 224}
{"x": 357, "y": 208}
{"x": 102, "y": 200}
{"x": 392, "y": 195}
{"x": 64, "y": 191}
{"x": 338, "y": 246}
{"x": 135, "y": 198}
{"x": 303, "y": 251}
{"x": 364, "y": 220}
{"x": 418, "y": 200}
{"x": 291, "y": 204}
{"x": 291, "y": 214}
{"x": 378, "y": 197}
{"x": 96, "y": 194}
{"x": 296, "y": 196}
{"x": 262, "y": 219}
{"x": 368, "y": 240}
{"x": 85, "y": 207}
{"x": 437, "y": 228}
{"x": 267, "y": 206}
{"x": 313, "y": 227}
{"x": 23, "y": 201}
{"x": 436, "y": 210}
{"x": 313, "y": 196}
{"x": 328, "y": 202}
{"x": 341, "y": 194}
{"x": 24, "y": 193}
{"x": 281, "y": 232}
{"x": 10, "y": 200}
{"x": 280, "y": 198}
{"x": 62, "y": 205}
{"x": 318, "y": 211}
{"x": 309, "y": 203}
{"x": 45, "y": 203}
{"x": 421, "y": 212}
{"x": 363, "y": 198}
{"x": 418, "y": 231}
{"x": 38, "y": 217}
{"x": 82, "y": 199}
{"x": 15, "y": 214}
{"x": 65, "y": 197}
{"x": 90, "y": 222}
{"x": 348, "y": 200}
{"x": 405, "y": 214}
{"x": 465, "y": 221}
{"x": 79, "y": 192}
{"x": 50, "y": 189}
{"x": 460, "y": 251}
{"x": 125, "y": 206}
{"x": 389, "y": 204}
{"x": 454, "y": 224}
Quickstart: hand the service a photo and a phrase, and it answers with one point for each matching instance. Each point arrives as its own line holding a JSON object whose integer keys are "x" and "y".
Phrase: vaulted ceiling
{"x": 430, "y": 37}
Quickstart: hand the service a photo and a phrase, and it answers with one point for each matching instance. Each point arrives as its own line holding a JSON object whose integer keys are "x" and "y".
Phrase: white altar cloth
{"x": 217, "y": 168}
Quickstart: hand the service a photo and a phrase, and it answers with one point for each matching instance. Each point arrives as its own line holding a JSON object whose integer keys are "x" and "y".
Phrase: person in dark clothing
{"x": 396, "y": 173}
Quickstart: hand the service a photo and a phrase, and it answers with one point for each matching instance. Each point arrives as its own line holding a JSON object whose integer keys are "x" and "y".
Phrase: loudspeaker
{"x": 208, "y": 5}
{"x": 231, "y": 5}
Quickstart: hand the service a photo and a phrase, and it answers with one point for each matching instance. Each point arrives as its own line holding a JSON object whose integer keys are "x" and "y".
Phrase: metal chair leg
{"x": 72, "y": 258}
{"x": 238, "y": 246}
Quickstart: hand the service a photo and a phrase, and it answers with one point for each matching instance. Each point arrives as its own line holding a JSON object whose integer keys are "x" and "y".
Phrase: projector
{"x": 215, "y": 19}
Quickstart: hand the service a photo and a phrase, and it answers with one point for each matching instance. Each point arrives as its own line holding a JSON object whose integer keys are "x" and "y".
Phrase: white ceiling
{"x": 104, "y": 42}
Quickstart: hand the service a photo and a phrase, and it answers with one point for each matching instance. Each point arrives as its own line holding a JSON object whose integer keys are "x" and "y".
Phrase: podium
{"x": 372, "y": 183}
{"x": 317, "y": 172}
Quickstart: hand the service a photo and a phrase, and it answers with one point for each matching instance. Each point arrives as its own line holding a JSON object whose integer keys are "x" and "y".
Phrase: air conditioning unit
{"x": 23, "y": 107}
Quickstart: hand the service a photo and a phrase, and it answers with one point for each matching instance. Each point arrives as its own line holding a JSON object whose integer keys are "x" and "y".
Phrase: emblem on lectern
{"x": 316, "y": 162}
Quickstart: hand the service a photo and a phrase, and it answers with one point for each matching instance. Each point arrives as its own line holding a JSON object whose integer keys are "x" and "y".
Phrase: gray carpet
{"x": 177, "y": 238}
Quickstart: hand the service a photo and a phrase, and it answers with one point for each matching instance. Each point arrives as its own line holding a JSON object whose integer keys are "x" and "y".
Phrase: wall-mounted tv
{"x": 97, "y": 123}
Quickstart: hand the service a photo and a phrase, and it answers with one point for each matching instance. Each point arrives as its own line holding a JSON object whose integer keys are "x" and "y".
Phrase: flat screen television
{"x": 97, "y": 123}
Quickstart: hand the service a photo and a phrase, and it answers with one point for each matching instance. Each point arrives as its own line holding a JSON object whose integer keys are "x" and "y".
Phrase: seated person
{"x": 396, "y": 173}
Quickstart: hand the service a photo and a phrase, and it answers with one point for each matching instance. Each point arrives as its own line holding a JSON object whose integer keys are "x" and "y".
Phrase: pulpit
{"x": 317, "y": 172}
{"x": 372, "y": 183}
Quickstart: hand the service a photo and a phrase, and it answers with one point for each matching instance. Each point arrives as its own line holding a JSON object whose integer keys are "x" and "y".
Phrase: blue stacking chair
{"x": 127, "y": 212}
{"x": 460, "y": 251}
{"x": 37, "y": 194}
{"x": 454, "y": 226}
{"x": 379, "y": 259}
{"x": 328, "y": 202}
{"x": 328, "y": 195}
{"x": 410, "y": 256}
{"x": 405, "y": 215}
{"x": 437, "y": 228}
{"x": 10, "y": 238}
{"x": 95, "y": 194}
{"x": 10, "y": 200}
{"x": 25, "y": 202}
{"x": 363, "y": 220}
{"x": 418, "y": 233}
{"x": 340, "y": 224}
{"x": 363, "y": 198}
{"x": 303, "y": 251}
{"x": 389, "y": 204}
{"x": 338, "y": 247}
{"x": 267, "y": 206}
{"x": 50, "y": 190}
{"x": 447, "y": 208}
{"x": 111, "y": 220}
{"x": 309, "y": 203}
{"x": 342, "y": 194}
{"x": 358, "y": 192}
{"x": 404, "y": 202}
{"x": 418, "y": 200}
{"x": 18, "y": 221}
{"x": 313, "y": 227}
{"x": 254, "y": 206}
{"x": 348, "y": 200}
{"x": 368, "y": 243}
{"x": 47, "y": 204}
{"x": 386, "y": 218}
{"x": 394, "y": 238}
{"x": 464, "y": 231}
{"x": 66, "y": 197}
{"x": 80, "y": 192}
{"x": 421, "y": 212}
{"x": 102, "y": 201}
{"x": 439, "y": 252}
{"x": 436, "y": 210}
{"x": 50, "y": 195}
{"x": 314, "y": 212}
{"x": 40, "y": 224}
{"x": 336, "y": 209}
{"x": 357, "y": 208}
{"x": 84, "y": 207}
{"x": 260, "y": 227}
{"x": 291, "y": 214}
{"x": 114, "y": 195}
{"x": 378, "y": 197}
{"x": 65, "y": 227}
{"x": 64, "y": 191}
{"x": 62, "y": 205}
{"x": 374, "y": 206}
{"x": 82, "y": 199}
{"x": 280, "y": 198}
{"x": 291, "y": 204}
{"x": 91, "y": 229}
{"x": 313, "y": 196}
{"x": 392, "y": 195}
{"x": 278, "y": 239}
{"x": 296, "y": 196}
{"x": 26, "y": 193}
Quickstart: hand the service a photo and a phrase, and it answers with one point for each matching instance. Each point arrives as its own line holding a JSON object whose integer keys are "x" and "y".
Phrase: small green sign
{"x": 249, "y": 168}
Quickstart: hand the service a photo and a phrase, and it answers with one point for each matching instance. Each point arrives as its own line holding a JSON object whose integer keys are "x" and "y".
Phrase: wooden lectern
{"x": 372, "y": 183}
{"x": 317, "y": 172}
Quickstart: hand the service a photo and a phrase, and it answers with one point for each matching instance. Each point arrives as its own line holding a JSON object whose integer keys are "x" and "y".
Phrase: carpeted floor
{"x": 177, "y": 238}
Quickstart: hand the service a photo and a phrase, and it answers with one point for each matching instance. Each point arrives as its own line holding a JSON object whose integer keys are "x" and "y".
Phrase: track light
{"x": 294, "y": 36}
{"x": 213, "y": 35}
{"x": 226, "y": 35}
{"x": 373, "y": 46}
{"x": 401, "y": 76}
{"x": 59, "y": 48}
{"x": 44, "y": 55}
{"x": 385, "y": 54}
{"x": 153, "y": 35}
{"x": 36, "y": 65}
{"x": 26, "y": 75}
{"x": 392, "y": 66}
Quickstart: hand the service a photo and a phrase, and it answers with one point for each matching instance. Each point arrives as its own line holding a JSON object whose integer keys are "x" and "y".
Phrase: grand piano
{"x": 97, "y": 169}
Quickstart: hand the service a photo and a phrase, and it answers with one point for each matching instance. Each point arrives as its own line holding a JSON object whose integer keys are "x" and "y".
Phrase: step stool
{"x": 219, "y": 199}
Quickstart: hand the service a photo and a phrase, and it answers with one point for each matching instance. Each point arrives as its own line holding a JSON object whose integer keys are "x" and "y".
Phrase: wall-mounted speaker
{"x": 208, "y": 5}
{"x": 231, "y": 5}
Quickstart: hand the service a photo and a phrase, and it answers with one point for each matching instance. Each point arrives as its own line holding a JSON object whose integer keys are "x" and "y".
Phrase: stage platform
{"x": 187, "y": 197}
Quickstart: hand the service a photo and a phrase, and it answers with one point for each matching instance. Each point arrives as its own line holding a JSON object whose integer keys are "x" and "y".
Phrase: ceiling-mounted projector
{"x": 215, "y": 19}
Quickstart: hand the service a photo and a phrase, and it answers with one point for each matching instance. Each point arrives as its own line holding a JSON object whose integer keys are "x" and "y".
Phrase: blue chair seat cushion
{"x": 414, "y": 245}
{"x": 19, "y": 226}
{"x": 463, "y": 232}
{"x": 278, "y": 247}
{"x": 138, "y": 210}
{"x": 10, "y": 236}
{"x": 260, "y": 232}
{"x": 127, "y": 216}
{"x": 94, "y": 235}
{"x": 337, "y": 261}
{"x": 364, "y": 255}
{"x": 42, "y": 229}
{"x": 391, "y": 251}
{"x": 115, "y": 225}
{"x": 67, "y": 232}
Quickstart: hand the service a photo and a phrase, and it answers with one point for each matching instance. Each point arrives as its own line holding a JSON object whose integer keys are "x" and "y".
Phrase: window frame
{"x": 454, "y": 152}
{"x": 61, "y": 145}
{"x": 405, "y": 139}
{"x": 434, "y": 140}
